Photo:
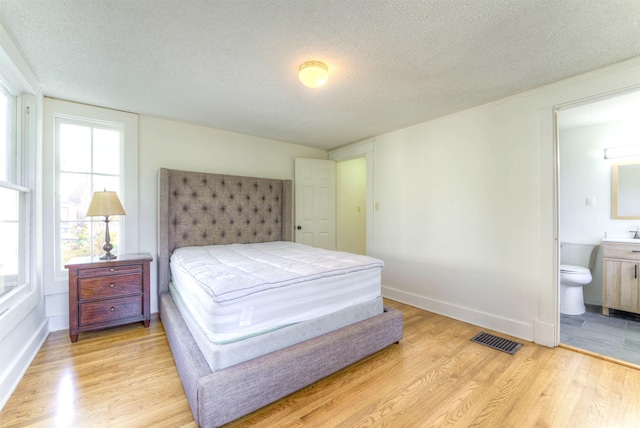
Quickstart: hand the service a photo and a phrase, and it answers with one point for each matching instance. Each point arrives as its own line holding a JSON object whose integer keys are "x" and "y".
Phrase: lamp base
{"x": 108, "y": 256}
{"x": 107, "y": 247}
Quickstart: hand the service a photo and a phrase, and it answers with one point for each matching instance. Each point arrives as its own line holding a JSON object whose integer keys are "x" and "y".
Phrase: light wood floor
{"x": 434, "y": 377}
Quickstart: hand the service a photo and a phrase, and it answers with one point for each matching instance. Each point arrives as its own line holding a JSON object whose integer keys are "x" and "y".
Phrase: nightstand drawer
{"x": 109, "y": 286}
{"x": 110, "y": 310}
{"x": 115, "y": 270}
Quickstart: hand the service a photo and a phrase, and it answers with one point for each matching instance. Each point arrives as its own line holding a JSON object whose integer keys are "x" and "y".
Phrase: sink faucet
{"x": 635, "y": 236}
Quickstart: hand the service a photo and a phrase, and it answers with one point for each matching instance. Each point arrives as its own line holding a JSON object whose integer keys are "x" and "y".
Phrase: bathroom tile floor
{"x": 617, "y": 335}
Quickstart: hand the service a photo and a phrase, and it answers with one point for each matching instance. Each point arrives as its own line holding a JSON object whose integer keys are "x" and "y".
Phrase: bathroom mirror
{"x": 625, "y": 190}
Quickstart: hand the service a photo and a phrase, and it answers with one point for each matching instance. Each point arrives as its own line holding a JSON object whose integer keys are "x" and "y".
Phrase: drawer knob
{"x": 111, "y": 270}
{"x": 112, "y": 309}
{"x": 112, "y": 285}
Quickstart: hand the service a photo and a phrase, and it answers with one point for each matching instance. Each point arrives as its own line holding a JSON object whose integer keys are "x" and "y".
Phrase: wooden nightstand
{"x": 107, "y": 293}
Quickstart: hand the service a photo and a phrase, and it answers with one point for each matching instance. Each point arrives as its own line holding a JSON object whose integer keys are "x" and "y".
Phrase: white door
{"x": 315, "y": 202}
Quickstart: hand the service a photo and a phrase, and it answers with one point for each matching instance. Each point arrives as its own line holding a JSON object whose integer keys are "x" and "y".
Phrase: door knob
{"x": 299, "y": 228}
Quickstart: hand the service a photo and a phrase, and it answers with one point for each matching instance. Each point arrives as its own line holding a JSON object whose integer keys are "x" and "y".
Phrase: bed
{"x": 203, "y": 209}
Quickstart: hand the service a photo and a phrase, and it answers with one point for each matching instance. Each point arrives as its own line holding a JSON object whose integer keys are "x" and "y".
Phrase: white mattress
{"x": 221, "y": 356}
{"x": 241, "y": 290}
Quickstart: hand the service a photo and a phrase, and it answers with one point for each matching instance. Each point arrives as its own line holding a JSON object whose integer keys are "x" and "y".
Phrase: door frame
{"x": 590, "y": 99}
{"x": 362, "y": 150}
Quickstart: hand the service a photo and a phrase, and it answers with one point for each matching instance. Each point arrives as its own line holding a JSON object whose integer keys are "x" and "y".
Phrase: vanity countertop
{"x": 622, "y": 240}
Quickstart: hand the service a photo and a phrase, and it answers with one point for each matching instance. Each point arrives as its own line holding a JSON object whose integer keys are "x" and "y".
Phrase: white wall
{"x": 177, "y": 145}
{"x": 351, "y": 206}
{"x": 585, "y": 172}
{"x": 458, "y": 224}
{"x": 467, "y": 208}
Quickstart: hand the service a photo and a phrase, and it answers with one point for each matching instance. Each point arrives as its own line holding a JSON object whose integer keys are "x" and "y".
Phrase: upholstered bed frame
{"x": 206, "y": 209}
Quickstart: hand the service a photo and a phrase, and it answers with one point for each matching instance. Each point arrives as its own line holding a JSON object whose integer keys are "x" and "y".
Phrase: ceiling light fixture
{"x": 313, "y": 74}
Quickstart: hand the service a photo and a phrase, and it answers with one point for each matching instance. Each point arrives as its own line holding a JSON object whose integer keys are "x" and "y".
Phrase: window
{"x": 85, "y": 149}
{"x": 89, "y": 158}
{"x": 14, "y": 198}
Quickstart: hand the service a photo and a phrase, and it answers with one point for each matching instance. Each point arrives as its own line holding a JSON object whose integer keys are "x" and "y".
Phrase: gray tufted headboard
{"x": 196, "y": 208}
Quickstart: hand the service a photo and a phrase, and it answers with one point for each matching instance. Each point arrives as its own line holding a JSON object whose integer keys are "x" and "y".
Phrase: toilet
{"x": 572, "y": 279}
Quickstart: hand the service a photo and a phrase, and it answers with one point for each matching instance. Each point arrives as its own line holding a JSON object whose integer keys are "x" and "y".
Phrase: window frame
{"x": 60, "y": 273}
{"x": 25, "y": 177}
{"x": 56, "y": 287}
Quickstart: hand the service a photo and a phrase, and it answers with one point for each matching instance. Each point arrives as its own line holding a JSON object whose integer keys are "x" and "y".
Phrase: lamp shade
{"x": 105, "y": 203}
{"x": 313, "y": 74}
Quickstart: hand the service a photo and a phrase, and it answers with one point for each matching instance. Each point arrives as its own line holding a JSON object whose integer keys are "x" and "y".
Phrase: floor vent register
{"x": 495, "y": 342}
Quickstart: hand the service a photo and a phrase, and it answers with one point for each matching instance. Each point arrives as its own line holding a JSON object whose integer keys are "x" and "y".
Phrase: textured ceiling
{"x": 233, "y": 64}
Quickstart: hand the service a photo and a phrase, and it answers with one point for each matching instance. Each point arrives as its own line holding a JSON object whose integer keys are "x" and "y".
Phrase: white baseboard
{"x": 545, "y": 334}
{"x": 58, "y": 322}
{"x": 21, "y": 362}
{"x": 503, "y": 325}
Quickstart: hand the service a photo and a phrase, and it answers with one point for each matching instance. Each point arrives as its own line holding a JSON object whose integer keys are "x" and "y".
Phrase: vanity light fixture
{"x": 621, "y": 152}
{"x": 313, "y": 74}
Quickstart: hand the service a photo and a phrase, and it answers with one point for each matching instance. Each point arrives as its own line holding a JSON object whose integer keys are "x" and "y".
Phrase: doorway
{"x": 362, "y": 155}
{"x": 351, "y": 206}
{"x": 584, "y": 217}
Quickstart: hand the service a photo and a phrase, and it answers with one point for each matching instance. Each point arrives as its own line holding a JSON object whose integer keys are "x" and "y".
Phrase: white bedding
{"x": 240, "y": 290}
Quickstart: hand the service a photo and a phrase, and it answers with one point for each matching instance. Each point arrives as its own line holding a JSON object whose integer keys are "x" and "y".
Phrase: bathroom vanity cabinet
{"x": 621, "y": 283}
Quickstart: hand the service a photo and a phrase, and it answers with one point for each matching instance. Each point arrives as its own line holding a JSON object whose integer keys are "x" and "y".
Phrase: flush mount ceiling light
{"x": 313, "y": 74}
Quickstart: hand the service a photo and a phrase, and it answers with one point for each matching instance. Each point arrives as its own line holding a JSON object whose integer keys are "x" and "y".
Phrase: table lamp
{"x": 105, "y": 204}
